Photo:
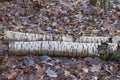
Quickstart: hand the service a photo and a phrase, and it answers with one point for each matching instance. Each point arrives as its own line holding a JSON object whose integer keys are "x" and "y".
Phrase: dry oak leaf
{"x": 67, "y": 73}
{"x": 85, "y": 70}
{"x": 95, "y": 68}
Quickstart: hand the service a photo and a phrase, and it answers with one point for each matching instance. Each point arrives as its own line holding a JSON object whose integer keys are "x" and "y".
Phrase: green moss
{"x": 103, "y": 57}
{"x": 5, "y": 0}
{"x": 116, "y": 56}
{"x": 93, "y": 2}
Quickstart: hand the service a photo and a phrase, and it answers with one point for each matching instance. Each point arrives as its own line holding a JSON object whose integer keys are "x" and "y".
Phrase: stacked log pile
{"x": 54, "y": 45}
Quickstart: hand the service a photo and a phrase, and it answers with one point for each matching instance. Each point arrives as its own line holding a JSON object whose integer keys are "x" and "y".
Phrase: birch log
{"x": 19, "y": 36}
{"x": 116, "y": 39}
{"x": 56, "y": 48}
{"x": 93, "y": 39}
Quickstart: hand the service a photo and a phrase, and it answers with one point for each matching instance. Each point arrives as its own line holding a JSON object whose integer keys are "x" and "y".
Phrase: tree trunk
{"x": 19, "y": 36}
{"x": 57, "y": 48}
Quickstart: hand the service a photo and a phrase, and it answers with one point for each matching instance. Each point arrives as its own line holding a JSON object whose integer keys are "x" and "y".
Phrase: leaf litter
{"x": 71, "y": 17}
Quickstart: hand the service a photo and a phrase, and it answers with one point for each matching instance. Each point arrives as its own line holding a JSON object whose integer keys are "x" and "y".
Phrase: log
{"x": 58, "y": 48}
{"x": 116, "y": 39}
{"x": 93, "y": 39}
{"x": 19, "y": 36}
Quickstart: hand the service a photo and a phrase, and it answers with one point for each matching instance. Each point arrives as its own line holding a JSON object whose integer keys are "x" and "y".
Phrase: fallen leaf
{"x": 51, "y": 73}
{"x": 12, "y": 63}
{"x": 40, "y": 70}
{"x": 111, "y": 68}
{"x": 66, "y": 73}
{"x": 12, "y": 75}
{"x": 17, "y": 13}
{"x": 49, "y": 14}
{"x": 29, "y": 61}
{"x": 95, "y": 68}
{"x": 86, "y": 70}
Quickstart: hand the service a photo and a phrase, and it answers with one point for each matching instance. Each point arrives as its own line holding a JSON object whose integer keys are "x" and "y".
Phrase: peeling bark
{"x": 19, "y": 36}
{"x": 56, "y": 48}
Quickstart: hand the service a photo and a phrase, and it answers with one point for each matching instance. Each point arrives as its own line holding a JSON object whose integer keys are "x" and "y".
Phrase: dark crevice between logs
{"x": 106, "y": 54}
{"x": 103, "y": 51}
{"x": 110, "y": 40}
{"x": 115, "y": 55}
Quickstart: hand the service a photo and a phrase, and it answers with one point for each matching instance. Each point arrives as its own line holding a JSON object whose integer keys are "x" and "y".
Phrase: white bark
{"x": 56, "y": 48}
{"x": 93, "y": 39}
{"x": 19, "y": 36}
{"x": 116, "y": 39}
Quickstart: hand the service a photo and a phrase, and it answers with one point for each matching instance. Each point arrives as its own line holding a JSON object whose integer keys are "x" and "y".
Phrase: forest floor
{"x": 68, "y": 17}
